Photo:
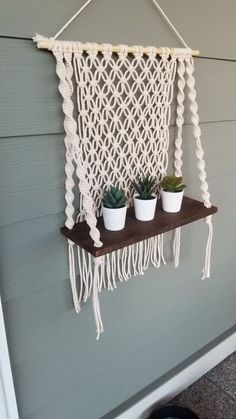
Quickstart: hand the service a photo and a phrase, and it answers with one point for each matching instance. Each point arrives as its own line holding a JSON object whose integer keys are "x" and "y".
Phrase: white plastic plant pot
{"x": 114, "y": 218}
{"x": 144, "y": 209}
{"x": 171, "y": 201}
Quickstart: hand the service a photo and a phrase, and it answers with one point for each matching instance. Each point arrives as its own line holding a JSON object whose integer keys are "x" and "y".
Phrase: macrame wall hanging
{"x": 117, "y": 105}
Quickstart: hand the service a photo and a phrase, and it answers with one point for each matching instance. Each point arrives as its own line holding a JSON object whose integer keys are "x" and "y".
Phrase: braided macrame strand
{"x": 201, "y": 162}
{"x": 178, "y": 145}
{"x": 64, "y": 72}
{"x": 66, "y": 90}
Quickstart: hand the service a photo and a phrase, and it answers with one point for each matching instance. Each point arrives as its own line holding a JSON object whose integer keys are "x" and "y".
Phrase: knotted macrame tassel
{"x": 207, "y": 265}
{"x": 176, "y": 246}
{"x": 96, "y": 304}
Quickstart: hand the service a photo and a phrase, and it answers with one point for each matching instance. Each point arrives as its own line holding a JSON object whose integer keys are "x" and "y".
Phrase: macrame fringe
{"x": 207, "y": 265}
{"x": 161, "y": 247}
{"x": 176, "y": 246}
{"x": 95, "y": 274}
{"x": 72, "y": 275}
{"x": 98, "y": 263}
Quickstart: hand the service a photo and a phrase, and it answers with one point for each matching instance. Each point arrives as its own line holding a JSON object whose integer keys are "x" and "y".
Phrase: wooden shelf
{"x": 136, "y": 231}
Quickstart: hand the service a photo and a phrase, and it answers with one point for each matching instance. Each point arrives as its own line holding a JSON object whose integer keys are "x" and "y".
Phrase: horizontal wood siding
{"x": 33, "y": 106}
{"x": 205, "y": 25}
{"x": 153, "y": 322}
{"x": 44, "y": 157}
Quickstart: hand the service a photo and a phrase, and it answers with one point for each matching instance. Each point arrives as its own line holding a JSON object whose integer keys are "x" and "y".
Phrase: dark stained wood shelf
{"x": 136, "y": 231}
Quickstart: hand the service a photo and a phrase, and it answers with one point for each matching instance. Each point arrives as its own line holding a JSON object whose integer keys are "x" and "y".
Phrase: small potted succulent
{"x": 145, "y": 199}
{"x": 172, "y": 191}
{"x": 114, "y": 209}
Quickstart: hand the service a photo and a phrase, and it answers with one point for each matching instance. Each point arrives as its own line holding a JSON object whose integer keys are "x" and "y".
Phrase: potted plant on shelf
{"x": 114, "y": 209}
{"x": 172, "y": 191}
{"x": 145, "y": 200}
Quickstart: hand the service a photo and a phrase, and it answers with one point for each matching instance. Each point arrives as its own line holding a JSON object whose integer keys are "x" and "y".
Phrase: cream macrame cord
{"x": 178, "y": 145}
{"x": 117, "y": 106}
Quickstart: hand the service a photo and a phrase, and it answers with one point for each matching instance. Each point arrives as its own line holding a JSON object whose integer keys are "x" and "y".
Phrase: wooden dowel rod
{"x": 45, "y": 44}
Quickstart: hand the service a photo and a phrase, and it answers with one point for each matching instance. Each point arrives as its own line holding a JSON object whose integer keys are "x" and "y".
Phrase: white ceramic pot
{"x": 144, "y": 209}
{"x": 114, "y": 218}
{"x": 171, "y": 201}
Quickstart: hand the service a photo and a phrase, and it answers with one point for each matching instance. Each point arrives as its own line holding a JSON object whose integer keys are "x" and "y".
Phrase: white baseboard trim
{"x": 182, "y": 380}
{"x": 8, "y": 407}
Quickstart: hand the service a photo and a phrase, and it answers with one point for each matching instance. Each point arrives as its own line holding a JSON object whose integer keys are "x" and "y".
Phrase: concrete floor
{"x": 214, "y": 395}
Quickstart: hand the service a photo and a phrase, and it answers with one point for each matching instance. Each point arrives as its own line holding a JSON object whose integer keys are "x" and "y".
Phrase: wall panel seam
{"x": 188, "y": 124}
{"x": 198, "y": 58}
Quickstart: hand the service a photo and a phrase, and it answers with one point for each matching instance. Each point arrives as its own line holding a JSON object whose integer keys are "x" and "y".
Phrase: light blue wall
{"x": 151, "y": 323}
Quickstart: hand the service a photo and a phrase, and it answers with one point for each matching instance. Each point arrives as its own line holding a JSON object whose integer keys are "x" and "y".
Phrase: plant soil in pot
{"x": 172, "y": 191}
{"x": 114, "y": 209}
{"x": 145, "y": 200}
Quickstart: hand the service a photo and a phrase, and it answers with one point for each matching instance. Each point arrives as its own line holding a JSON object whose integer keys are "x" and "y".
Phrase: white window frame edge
{"x": 8, "y": 405}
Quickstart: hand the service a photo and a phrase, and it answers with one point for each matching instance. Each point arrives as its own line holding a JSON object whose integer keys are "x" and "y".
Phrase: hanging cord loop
{"x": 154, "y": 1}
{"x": 170, "y": 24}
{"x": 71, "y": 19}
{"x": 48, "y": 43}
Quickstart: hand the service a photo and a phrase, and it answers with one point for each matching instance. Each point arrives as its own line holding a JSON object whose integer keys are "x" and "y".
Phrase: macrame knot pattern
{"x": 122, "y": 102}
{"x": 165, "y": 53}
{"x": 92, "y": 49}
{"x": 78, "y": 49}
{"x": 121, "y": 131}
{"x": 151, "y": 52}
{"x": 138, "y": 51}
{"x": 182, "y": 53}
{"x": 123, "y": 52}
{"x": 107, "y": 51}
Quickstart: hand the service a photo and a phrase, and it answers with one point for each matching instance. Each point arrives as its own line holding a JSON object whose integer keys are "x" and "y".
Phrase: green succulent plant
{"x": 114, "y": 198}
{"x": 145, "y": 187}
{"x": 172, "y": 184}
